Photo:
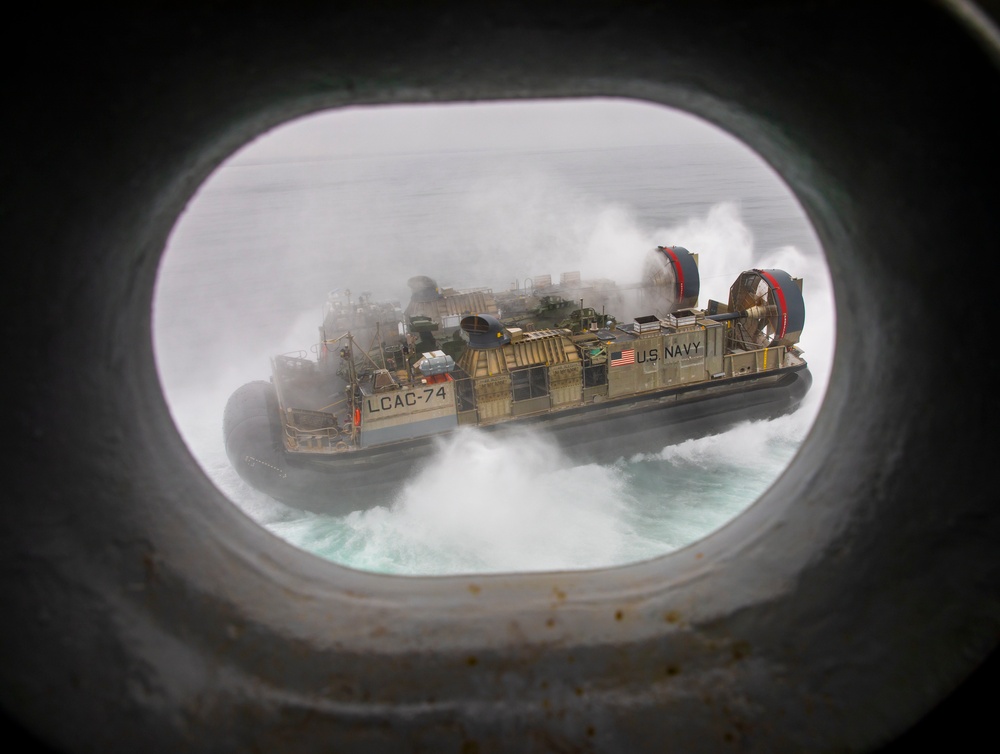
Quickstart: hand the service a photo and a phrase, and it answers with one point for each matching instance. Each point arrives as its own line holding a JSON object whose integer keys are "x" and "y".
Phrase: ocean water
{"x": 250, "y": 262}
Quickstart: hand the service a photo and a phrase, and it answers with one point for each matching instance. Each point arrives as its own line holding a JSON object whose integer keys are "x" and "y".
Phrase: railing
{"x": 315, "y": 431}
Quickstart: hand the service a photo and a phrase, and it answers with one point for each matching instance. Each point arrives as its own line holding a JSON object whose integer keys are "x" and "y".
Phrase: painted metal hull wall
{"x": 668, "y": 360}
{"x": 411, "y": 412}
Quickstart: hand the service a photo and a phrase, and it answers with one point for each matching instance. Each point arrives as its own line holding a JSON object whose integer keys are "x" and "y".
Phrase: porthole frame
{"x": 145, "y": 612}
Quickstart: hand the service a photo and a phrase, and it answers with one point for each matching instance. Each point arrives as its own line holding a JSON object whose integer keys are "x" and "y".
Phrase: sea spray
{"x": 530, "y": 221}
{"x": 264, "y": 240}
{"x": 685, "y": 491}
{"x": 487, "y": 503}
{"x": 496, "y": 502}
{"x": 513, "y": 502}
{"x": 723, "y": 242}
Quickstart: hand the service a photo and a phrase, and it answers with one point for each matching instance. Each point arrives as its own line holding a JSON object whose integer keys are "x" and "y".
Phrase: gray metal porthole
{"x": 143, "y": 612}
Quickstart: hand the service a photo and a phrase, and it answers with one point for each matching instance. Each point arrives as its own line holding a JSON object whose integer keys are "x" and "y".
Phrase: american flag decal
{"x": 618, "y": 358}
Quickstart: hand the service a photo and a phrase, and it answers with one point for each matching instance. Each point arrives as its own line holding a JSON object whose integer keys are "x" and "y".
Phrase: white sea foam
{"x": 246, "y": 273}
{"x": 489, "y": 503}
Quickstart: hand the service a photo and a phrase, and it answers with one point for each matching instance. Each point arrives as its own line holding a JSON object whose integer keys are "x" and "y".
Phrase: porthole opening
{"x": 362, "y": 208}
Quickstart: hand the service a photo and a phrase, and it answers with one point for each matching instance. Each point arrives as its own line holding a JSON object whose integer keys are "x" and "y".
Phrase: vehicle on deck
{"x": 344, "y": 430}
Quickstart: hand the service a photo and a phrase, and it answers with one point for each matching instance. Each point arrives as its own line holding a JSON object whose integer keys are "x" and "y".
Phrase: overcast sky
{"x": 545, "y": 124}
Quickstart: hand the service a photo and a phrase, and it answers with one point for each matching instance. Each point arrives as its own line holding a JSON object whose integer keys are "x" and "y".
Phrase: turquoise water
{"x": 249, "y": 265}
{"x": 526, "y": 507}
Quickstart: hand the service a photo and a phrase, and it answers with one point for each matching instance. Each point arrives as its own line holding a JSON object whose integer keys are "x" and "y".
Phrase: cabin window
{"x": 465, "y": 394}
{"x": 529, "y": 383}
{"x": 595, "y": 375}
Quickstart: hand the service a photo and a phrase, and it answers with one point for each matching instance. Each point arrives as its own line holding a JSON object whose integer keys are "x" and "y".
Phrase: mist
{"x": 250, "y": 262}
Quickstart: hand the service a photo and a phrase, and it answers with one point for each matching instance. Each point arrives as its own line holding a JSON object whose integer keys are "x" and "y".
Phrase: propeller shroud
{"x": 773, "y": 306}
